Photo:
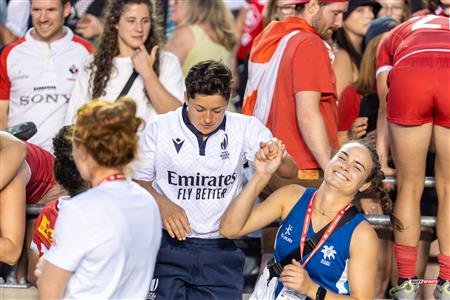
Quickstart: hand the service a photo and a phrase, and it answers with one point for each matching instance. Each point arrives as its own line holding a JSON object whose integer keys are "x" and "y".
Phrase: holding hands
{"x": 269, "y": 156}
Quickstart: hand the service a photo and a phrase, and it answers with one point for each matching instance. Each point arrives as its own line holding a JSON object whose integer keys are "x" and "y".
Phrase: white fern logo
{"x": 288, "y": 230}
{"x": 328, "y": 252}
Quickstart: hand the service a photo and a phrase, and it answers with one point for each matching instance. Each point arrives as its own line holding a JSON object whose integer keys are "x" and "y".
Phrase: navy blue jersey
{"x": 328, "y": 267}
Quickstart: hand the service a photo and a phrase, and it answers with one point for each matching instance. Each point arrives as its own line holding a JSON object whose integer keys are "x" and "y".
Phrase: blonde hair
{"x": 217, "y": 16}
{"x": 366, "y": 81}
{"x": 108, "y": 131}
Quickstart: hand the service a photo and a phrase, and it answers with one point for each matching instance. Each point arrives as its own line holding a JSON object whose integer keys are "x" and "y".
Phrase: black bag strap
{"x": 276, "y": 268}
{"x": 128, "y": 85}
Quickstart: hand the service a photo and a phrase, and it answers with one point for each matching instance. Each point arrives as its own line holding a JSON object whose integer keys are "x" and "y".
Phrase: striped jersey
{"x": 429, "y": 33}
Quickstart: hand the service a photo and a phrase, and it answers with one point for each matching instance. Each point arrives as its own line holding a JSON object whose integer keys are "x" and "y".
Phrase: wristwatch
{"x": 320, "y": 294}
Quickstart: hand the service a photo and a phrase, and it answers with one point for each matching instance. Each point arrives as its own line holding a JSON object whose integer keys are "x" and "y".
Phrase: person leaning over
{"x": 191, "y": 161}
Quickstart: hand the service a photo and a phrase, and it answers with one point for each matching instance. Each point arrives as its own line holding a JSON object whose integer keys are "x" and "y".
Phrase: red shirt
{"x": 305, "y": 66}
{"x": 348, "y": 107}
{"x": 42, "y": 177}
{"x": 420, "y": 34}
{"x": 44, "y": 227}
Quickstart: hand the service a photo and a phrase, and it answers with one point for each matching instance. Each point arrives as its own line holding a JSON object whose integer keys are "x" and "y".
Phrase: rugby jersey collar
{"x": 197, "y": 133}
{"x": 58, "y": 44}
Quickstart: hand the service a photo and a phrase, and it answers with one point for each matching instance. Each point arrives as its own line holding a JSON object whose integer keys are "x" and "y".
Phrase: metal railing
{"x": 429, "y": 181}
{"x": 35, "y": 209}
{"x": 384, "y": 220}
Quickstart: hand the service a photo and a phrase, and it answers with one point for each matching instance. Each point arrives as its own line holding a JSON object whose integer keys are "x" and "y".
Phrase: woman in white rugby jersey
{"x": 106, "y": 239}
{"x": 192, "y": 162}
{"x": 130, "y": 42}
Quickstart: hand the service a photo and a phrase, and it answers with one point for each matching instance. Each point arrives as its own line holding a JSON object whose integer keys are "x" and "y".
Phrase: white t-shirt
{"x": 108, "y": 237}
{"x": 170, "y": 75}
{"x": 202, "y": 177}
{"x": 38, "y": 78}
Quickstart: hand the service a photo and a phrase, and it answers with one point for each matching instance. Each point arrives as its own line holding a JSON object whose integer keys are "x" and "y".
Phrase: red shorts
{"x": 419, "y": 90}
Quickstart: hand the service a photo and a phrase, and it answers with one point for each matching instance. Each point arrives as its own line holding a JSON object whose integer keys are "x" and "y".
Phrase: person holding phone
{"x": 130, "y": 42}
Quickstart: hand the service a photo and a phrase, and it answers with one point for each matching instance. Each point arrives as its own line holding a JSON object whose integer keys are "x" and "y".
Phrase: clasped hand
{"x": 269, "y": 156}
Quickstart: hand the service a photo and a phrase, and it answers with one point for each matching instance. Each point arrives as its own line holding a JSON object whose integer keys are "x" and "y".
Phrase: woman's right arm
{"x": 12, "y": 155}
{"x": 12, "y": 217}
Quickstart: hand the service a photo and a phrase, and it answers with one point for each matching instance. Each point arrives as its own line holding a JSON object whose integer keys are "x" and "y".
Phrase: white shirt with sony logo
{"x": 203, "y": 180}
{"x": 37, "y": 79}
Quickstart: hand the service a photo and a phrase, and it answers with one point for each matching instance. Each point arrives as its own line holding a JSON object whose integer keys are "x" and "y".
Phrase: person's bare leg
{"x": 409, "y": 147}
{"x": 441, "y": 139}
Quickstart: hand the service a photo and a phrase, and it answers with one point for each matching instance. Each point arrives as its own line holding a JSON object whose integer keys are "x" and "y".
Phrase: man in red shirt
{"x": 414, "y": 62}
{"x": 291, "y": 85}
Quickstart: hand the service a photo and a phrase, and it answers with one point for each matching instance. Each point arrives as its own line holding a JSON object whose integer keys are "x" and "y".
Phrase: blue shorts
{"x": 198, "y": 269}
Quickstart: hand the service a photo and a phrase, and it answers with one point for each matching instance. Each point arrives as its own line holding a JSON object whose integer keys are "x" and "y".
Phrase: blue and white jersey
{"x": 328, "y": 267}
{"x": 201, "y": 176}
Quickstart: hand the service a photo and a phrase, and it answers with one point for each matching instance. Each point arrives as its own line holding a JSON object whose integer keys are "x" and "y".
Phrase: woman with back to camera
{"x": 106, "y": 239}
{"x": 335, "y": 270}
{"x": 130, "y": 41}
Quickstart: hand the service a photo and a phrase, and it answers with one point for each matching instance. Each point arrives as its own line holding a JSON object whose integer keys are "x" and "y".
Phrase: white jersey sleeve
{"x": 70, "y": 242}
{"x": 80, "y": 93}
{"x": 171, "y": 75}
{"x": 256, "y": 132}
{"x": 144, "y": 166}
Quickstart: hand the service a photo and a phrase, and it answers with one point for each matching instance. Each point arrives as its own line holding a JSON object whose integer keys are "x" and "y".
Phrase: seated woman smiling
{"x": 332, "y": 270}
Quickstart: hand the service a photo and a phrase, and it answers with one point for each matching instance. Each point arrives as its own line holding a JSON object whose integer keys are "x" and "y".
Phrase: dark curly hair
{"x": 376, "y": 189}
{"x": 209, "y": 78}
{"x": 108, "y": 131}
{"x": 65, "y": 170}
{"x": 108, "y": 48}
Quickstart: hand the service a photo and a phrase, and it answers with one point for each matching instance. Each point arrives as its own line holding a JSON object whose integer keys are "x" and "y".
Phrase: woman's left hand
{"x": 143, "y": 62}
{"x": 295, "y": 277}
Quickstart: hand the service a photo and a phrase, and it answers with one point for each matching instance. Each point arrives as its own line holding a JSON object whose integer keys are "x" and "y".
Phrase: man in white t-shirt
{"x": 191, "y": 161}
{"x": 37, "y": 72}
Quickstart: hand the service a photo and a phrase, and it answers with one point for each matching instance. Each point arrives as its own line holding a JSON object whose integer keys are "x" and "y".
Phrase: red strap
{"x": 113, "y": 177}
{"x": 327, "y": 233}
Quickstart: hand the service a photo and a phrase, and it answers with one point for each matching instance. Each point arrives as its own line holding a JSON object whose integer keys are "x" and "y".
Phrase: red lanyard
{"x": 113, "y": 177}
{"x": 327, "y": 233}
